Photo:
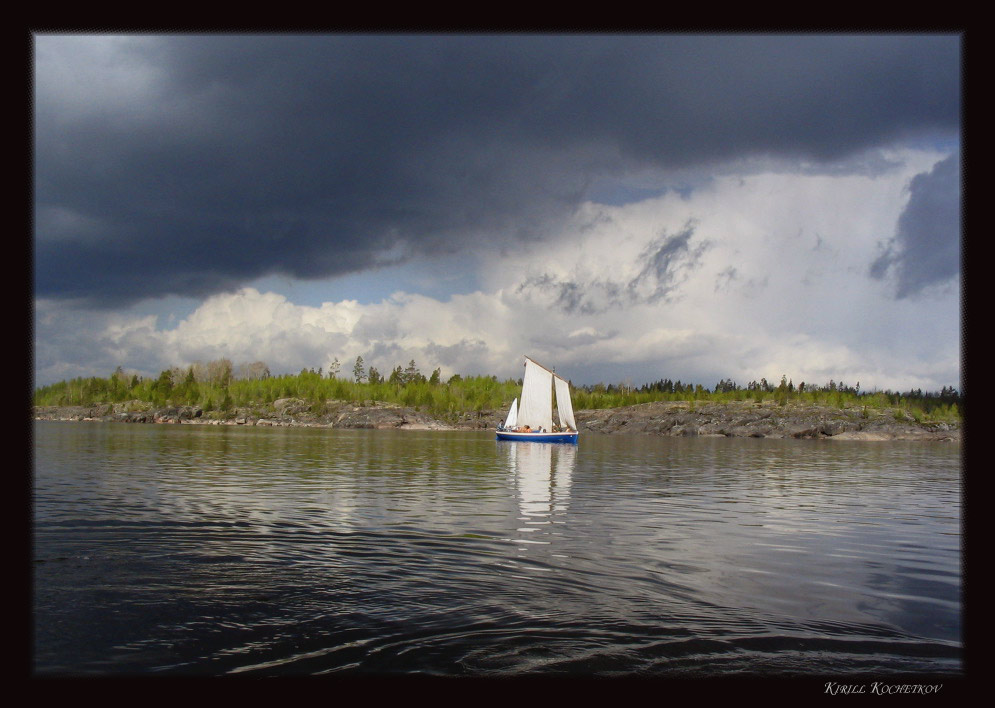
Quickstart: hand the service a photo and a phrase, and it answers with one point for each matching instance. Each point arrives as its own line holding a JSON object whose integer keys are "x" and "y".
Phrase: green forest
{"x": 219, "y": 388}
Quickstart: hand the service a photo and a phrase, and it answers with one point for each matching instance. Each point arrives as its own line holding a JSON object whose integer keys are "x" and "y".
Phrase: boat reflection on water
{"x": 542, "y": 475}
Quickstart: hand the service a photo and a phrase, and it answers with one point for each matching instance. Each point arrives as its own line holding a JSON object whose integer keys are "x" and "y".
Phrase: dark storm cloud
{"x": 926, "y": 247}
{"x": 237, "y": 157}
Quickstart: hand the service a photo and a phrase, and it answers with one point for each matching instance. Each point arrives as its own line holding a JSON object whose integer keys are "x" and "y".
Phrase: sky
{"x": 624, "y": 208}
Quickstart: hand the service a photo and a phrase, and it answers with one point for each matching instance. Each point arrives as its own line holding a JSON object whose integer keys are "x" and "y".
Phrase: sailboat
{"x": 532, "y": 419}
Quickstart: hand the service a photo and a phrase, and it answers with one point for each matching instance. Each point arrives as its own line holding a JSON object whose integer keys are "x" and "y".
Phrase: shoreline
{"x": 668, "y": 419}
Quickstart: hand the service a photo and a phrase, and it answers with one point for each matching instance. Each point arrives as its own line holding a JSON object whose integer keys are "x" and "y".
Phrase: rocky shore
{"x": 765, "y": 420}
{"x": 678, "y": 419}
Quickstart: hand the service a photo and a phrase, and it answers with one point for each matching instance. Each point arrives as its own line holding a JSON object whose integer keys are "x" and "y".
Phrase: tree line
{"x": 945, "y": 404}
{"x": 222, "y": 386}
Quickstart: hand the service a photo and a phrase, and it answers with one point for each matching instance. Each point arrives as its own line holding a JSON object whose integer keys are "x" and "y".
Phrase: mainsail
{"x": 536, "y": 408}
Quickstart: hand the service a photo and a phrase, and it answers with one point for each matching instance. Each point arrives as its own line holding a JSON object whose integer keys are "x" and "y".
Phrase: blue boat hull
{"x": 538, "y": 437}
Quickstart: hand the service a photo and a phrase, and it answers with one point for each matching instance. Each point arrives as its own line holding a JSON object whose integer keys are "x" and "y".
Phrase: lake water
{"x": 182, "y": 549}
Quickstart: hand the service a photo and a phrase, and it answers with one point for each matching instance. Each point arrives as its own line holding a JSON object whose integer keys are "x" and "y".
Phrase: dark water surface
{"x": 186, "y": 549}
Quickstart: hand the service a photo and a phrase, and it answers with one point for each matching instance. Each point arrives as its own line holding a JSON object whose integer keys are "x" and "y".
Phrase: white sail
{"x": 536, "y": 408}
{"x": 563, "y": 404}
{"x": 512, "y": 419}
